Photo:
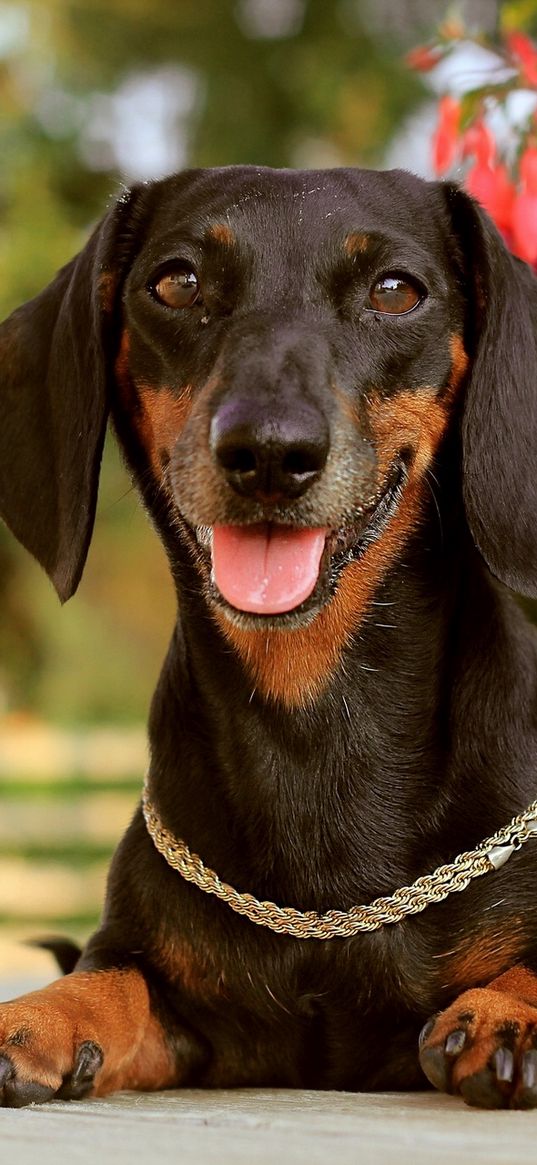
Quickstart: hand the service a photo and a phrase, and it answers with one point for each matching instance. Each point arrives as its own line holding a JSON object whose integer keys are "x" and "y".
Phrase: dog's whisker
{"x": 347, "y": 709}
{"x": 437, "y": 507}
{"x": 121, "y": 498}
{"x": 277, "y": 1001}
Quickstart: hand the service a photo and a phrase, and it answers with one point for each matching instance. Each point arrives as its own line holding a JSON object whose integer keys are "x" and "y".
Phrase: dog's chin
{"x": 343, "y": 545}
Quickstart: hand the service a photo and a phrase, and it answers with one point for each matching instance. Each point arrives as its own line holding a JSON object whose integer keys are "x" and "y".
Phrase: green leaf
{"x": 517, "y": 15}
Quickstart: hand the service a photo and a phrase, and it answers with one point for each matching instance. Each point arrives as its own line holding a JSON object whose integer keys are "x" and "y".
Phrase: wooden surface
{"x": 267, "y": 1128}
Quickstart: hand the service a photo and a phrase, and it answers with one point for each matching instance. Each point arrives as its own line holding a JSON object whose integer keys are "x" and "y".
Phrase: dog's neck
{"x": 238, "y": 773}
{"x": 343, "y": 797}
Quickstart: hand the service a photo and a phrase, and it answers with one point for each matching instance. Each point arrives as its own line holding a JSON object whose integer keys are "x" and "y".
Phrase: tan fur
{"x": 508, "y": 1003}
{"x": 459, "y": 361}
{"x": 356, "y": 243}
{"x": 41, "y": 1031}
{"x": 157, "y": 415}
{"x": 107, "y": 290}
{"x": 482, "y": 957}
{"x": 195, "y": 970}
{"x": 222, "y": 233}
{"x": 164, "y": 415}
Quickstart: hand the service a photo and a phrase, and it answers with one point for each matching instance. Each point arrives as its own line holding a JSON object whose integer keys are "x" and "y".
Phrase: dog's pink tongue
{"x": 266, "y": 569}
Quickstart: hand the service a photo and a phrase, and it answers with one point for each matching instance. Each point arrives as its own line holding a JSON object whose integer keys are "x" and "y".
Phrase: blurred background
{"x": 95, "y": 94}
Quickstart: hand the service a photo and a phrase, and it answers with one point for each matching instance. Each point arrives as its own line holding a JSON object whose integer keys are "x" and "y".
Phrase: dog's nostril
{"x": 299, "y": 461}
{"x": 237, "y": 459}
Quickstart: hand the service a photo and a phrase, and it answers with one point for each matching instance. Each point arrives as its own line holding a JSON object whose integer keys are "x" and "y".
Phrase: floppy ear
{"x": 499, "y": 424}
{"x": 53, "y": 407}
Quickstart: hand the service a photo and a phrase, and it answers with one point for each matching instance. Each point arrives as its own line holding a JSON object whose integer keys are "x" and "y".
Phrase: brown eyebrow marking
{"x": 355, "y": 243}
{"x": 222, "y": 233}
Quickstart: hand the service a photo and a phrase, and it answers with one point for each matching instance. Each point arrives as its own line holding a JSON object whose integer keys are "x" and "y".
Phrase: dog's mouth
{"x": 269, "y": 574}
{"x": 266, "y": 569}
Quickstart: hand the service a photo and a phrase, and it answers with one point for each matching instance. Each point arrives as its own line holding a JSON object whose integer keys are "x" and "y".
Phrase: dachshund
{"x": 324, "y": 385}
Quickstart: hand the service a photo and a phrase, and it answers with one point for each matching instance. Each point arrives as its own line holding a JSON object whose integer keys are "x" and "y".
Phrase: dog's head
{"x": 283, "y": 353}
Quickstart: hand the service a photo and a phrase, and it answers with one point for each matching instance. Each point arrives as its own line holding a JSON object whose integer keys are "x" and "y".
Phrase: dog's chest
{"x": 309, "y": 1014}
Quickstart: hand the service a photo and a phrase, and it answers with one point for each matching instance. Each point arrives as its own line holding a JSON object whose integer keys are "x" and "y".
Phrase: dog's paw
{"x": 43, "y": 1054}
{"x": 484, "y": 1047}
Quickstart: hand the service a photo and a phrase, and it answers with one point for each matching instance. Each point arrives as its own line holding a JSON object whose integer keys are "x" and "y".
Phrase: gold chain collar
{"x": 489, "y": 855}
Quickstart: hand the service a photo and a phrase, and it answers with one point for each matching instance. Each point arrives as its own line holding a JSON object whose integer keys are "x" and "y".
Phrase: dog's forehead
{"x": 312, "y": 205}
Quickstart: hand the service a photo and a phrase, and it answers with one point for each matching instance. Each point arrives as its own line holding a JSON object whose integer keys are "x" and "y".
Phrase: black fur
{"x": 500, "y": 417}
{"x": 423, "y": 739}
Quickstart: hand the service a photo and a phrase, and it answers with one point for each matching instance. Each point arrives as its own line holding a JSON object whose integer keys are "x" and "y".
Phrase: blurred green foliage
{"x": 518, "y": 15}
{"x": 282, "y": 82}
{"x": 326, "y": 85}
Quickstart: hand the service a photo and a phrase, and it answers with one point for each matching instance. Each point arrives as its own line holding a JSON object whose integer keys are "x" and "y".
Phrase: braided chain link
{"x": 448, "y": 879}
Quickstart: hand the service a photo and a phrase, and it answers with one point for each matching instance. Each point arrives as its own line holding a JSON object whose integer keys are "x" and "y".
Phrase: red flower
{"x": 479, "y": 141}
{"x": 423, "y": 58}
{"x": 525, "y": 55}
{"x": 524, "y": 216}
{"x": 488, "y": 180}
{"x": 493, "y": 189}
{"x": 528, "y": 169}
{"x": 446, "y": 135}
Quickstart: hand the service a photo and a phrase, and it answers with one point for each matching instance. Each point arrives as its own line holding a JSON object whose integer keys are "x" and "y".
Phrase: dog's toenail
{"x": 88, "y": 1061}
{"x": 455, "y": 1042}
{"x": 436, "y": 1067}
{"x": 529, "y": 1069}
{"x": 426, "y": 1031}
{"x": 504, "y": 1064}
{"x": 6, "y": 1070}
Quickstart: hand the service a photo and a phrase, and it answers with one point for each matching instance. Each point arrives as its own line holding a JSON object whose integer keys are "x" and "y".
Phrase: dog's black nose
{"x": 269, "y": 456}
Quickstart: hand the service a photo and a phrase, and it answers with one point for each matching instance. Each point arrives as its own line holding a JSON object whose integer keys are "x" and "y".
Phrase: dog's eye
{"x": 177, "y": 288}
{"x": 394, "y": 295}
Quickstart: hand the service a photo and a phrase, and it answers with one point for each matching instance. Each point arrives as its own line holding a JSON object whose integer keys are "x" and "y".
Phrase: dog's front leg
{"x": 91, "y": 1032}
{"x": 484, "y": 1046}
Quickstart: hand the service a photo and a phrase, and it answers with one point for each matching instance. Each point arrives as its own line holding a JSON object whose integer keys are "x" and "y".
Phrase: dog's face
{"x": 283, "y": 352}
{"x": 291, "y": 348}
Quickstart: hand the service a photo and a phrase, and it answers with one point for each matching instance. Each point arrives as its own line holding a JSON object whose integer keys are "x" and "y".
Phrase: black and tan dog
{"x": 325, "y": 386}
